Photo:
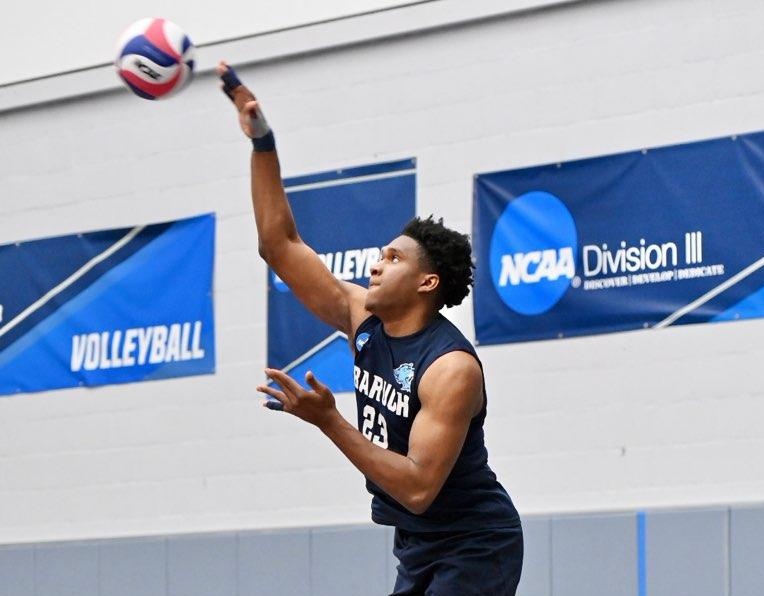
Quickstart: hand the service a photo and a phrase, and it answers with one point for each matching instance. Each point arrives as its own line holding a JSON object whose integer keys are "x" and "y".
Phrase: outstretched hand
{"x": 316, "y": 406}
{"x": 243, "y": 99}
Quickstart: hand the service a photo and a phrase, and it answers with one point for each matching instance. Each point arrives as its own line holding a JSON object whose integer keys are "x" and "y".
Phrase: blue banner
{"x": 345, "y": 216}
{"x": 107, "y": 307}
{"x": 637, "y": 240}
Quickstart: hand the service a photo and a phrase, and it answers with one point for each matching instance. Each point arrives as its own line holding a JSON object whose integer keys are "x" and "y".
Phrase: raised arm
{"x": 451, "y": 392}
{"x": 337, "y": 303}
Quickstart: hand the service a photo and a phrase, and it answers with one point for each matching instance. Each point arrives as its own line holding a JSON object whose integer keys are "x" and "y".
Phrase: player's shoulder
{"x": 454, "y": 357}
{"x": 448, "y": 337}
{"x": 455, "y": 379}
{"x": 456, "y": 362}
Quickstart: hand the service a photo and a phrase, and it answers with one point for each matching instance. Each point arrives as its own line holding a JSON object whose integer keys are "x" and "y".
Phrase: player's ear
{"x": 429, "y": 282}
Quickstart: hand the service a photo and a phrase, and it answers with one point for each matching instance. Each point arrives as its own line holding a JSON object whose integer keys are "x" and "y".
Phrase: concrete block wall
{"x": 105, "y": 23}
{"x": 608, "y": 423}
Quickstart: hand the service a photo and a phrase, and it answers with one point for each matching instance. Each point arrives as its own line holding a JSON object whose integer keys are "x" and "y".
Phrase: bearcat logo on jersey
{"x": 532, "y": 254}
{"x": 404, "y": 374}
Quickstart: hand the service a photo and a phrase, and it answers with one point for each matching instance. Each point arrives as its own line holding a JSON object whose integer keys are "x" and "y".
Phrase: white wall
{"x": 83, "y": 33}
{"x": 638, "y": 419}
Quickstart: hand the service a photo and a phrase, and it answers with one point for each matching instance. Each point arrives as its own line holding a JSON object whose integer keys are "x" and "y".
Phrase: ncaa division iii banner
{"x": 672, "y": 235}
{"x": 346, "y": 216}
{"x": 106, "y": 307}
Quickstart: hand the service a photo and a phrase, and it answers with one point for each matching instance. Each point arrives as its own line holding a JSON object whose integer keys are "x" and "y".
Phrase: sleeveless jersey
{"x": 386, "y": 375}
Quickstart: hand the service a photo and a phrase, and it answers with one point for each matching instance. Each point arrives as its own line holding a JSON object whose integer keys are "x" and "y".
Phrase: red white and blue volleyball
{"x": 155, "y": 58}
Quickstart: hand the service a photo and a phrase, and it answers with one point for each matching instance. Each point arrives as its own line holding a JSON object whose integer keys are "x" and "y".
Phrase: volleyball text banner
{"x": 345, "y": 216}
{"x": 647, "y": 239}
{"x": 105, "y": 307}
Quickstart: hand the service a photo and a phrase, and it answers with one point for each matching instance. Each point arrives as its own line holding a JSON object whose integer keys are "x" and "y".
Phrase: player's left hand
{"x": 245, "y": 101}
{"x": 316, "y": 406}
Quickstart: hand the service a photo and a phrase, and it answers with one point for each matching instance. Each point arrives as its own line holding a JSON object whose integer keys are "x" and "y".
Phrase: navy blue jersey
{"x": 386, "y": 375}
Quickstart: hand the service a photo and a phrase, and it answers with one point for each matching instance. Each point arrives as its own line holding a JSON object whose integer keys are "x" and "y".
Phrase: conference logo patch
{"x": 361, "y": 340}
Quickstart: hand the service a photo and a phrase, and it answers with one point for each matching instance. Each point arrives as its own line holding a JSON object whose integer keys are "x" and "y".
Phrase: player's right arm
{"x": 337, "y": 303}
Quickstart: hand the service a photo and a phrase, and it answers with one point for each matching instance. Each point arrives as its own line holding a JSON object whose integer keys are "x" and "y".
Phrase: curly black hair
{"x": 447, "y": 253}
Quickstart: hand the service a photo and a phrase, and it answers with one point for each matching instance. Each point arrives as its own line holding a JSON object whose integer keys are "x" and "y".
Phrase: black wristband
{"x": 264, "y": 143}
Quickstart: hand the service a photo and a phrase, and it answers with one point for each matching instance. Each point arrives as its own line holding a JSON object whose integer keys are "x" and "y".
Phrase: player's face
{"x": 396, "y": 277}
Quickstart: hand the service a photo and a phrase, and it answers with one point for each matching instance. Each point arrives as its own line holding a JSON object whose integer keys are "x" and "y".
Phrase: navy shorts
{"x": 479, "y": 562}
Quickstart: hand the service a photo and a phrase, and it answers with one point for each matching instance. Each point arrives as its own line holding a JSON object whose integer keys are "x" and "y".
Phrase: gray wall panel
{"x": 594, "y": 555}
{"x": 130, "y": 567}
{"x": 66, "y": 569}
{"x": 747, "y": 551}
{"x": 17, "y": 571}
{"x": 274, "y": 563}
{"x": 536, "y": 579}
{"x": 203, "y": 565}
{"x": 686, "y": 553}
{"x": 349, "y": 561}
{"x": 392, "y": 560}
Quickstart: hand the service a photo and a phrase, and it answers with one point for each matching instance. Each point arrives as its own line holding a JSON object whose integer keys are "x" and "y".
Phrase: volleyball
{"x": 155, "y": 58}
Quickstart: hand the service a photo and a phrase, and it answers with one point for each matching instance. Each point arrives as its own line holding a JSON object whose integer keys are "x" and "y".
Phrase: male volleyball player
{"x": 419, "y": 388}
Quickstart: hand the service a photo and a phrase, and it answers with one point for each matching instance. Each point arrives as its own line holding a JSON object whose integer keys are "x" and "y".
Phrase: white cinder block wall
{"x": 618, "y": 421}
